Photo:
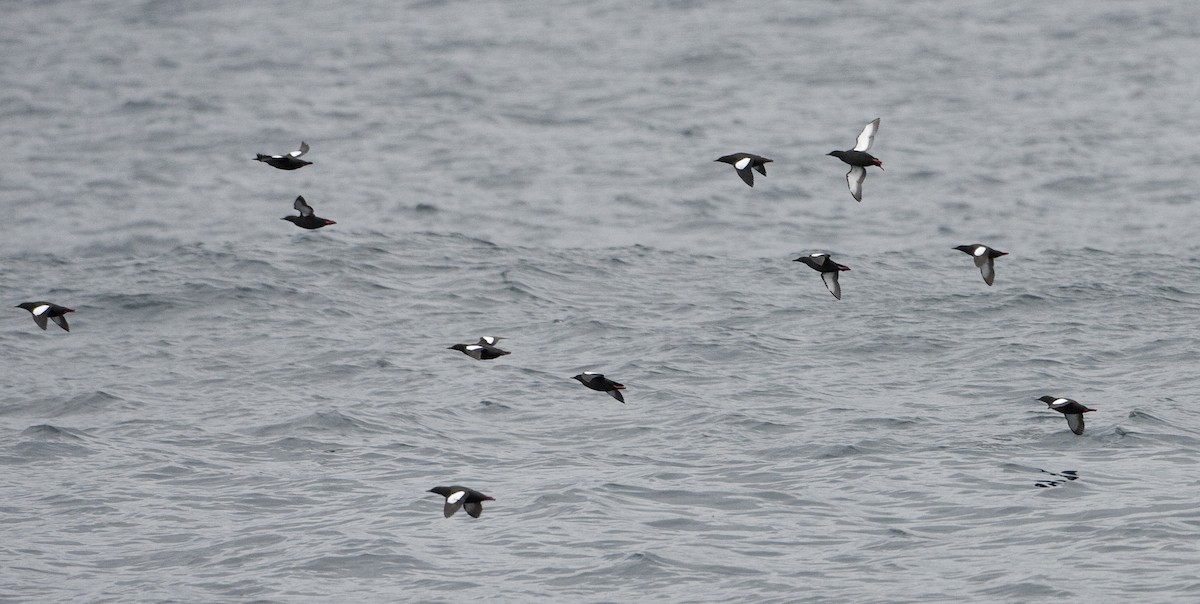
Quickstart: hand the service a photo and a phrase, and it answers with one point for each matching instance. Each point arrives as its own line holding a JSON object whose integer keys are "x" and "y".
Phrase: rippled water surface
{"x": 246, "y": 411}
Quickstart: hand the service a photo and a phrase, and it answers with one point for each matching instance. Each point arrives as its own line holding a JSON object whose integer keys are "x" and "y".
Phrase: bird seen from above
{"x": 461, "y": 497}
{"x": 984, "y": 257}
{"x": 291, "y": 161}
{"x": 859, "y": 159}
{"x": 1070, "y": 408}
{"x": 829, "y": 271}
{"x": 306, "y": 219}
{"x": 744, "y": 163}
{"x": 597, "y": 381}
{"x": 485, "y": 350}
{"x": 42, "y": 311}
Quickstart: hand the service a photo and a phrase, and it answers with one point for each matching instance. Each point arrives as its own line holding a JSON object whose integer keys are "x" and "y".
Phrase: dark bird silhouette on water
{"x": 859, "y": 159}
{"x": 291, "y": 161}
{"x": 306, "y": 219}
{"x": 829, "y": 271}
{"x": 484, "y": 350}
{"x": 597, "y": 381}
{"x": 461, "y": 497}
{"x": 984, "y": 257}
{"x": 42, "y": 311}
{"x": 744, "y": 163}
{"x": 1070, "y": 408}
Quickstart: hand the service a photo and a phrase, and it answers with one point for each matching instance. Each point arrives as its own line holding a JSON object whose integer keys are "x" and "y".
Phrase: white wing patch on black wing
{"x": 302, "y": 151}
{"x": 453, "y": 502}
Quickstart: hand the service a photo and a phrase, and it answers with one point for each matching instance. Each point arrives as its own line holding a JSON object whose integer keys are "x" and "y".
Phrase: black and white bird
{"x": 984, "y": 257}
{"x": 490, "y": 341}
{"x": 485, "y": 350}
{"x": 859, "y": 159}
{"x": 306, "y": 219}
{"x": 47, "y": 310}
{"x": 744, "y": 163}
{"x": 597, "y": 381}
{"x": 291, "y": 161}
{"x": 829, "y": 271}
{"x": 461, "y": 497}
{"x": 1070, "y": 408}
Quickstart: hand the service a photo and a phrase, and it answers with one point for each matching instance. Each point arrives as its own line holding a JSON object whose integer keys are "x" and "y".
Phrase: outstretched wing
{"x": 474, "y": 509}
{"x": 855, "y": 178}
{"x": 831, "y": 283}
{"x": 988, "y": 270}
{"x": 1075, "y": 421}
{"x": 743, "y": 169}
{"x": 304, "y": 149}
{"x": 453, "y": 502}
{"x": 60, "y": 320}
{"x": 867, "y": 137}
{"x": 302, "y": 206}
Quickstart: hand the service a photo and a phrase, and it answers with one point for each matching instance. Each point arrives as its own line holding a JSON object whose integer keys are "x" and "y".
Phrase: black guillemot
{"x": 859, "y": 159}
{"x": 829, "y": 271}
{"x": 47, "y": 310}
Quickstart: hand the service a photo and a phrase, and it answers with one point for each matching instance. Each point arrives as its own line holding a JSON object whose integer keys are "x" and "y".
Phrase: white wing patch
{"x": 979, "y": 250}
{"x": 40, "y": 309}
{"x": 455, "y": 497}
{"x": 302, "y": 151}
{"x": 866, "y": 138}
{"x": 1058, "y": 402}
{"x": 742, "y": 163}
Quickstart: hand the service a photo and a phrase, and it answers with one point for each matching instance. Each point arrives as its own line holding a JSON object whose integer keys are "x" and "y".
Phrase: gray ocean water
{"x": 245, "y": 411}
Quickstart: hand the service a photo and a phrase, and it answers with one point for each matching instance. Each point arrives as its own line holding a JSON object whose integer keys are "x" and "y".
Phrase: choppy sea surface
{"x": 245, "y": 411}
